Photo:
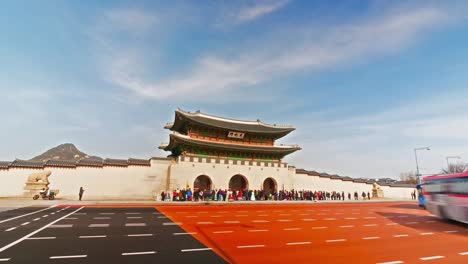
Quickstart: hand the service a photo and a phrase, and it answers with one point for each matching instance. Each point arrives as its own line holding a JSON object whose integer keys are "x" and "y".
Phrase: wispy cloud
{"x": 258, "y": 10}
{"x": 340, "y": 44}
{"x": 131, "y": 20}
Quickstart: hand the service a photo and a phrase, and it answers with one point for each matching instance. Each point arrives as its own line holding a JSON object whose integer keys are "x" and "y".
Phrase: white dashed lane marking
{"x": 392, "y": 224}
{"x": 370, "y": 238}
{"x": 132, "y": 213}
{"x": 98, "y": 225}
{"x": 292, "y": 229}
{"x": 101, "y": 236}
{"x": 35, "y": 219}
{"x": 204, "y": 223}
{"x": 463, "y": 253}
{"x": 427, "y": 234}
{"x": 370, "y": 225}
{"x": 67, "y": 257}
{"x": 350, "y": 218}
{"x": 319, "y": 227}
{"x": 347, "y": 226}
{"x": 284, "y": 220}
{"x": 194, "y": 249}
{"x": 335, "y": 240}
{"x": 181, "y": 234}
{"x": 260, "y": 221}
{"x": 258, "y": 230}
{"x": 432, "y": 257}
{"x": 251, "y": 246}
{"x": 139, "y": 235}
{"x": 106, "y": 213}
{"x": 71, "y": 218}
{"x": 400, "y": 235}
{"x": 39, "y": 238}
{"x": 298, "y": 243}
{"x": 172, "y": 223}
{"x": 231, "y": 222}
{"x": 222, "y": 232}
{"x": 101, "y": 218}
{"x": 26, "y": 223}
{"x": 392, "y": 262}
{"x": 451, "y": 231}
{"x": 308, "y": 219}
{"x": 135, "y": 224}
{"x": 138, "y": 253}
{"x": 80, "y": 213}
{"x": 4, "y": 259}
{"x": 61, "y": 226}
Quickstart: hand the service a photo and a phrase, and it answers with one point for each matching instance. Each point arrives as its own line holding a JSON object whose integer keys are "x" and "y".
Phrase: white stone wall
{"x": 147, "y": 182}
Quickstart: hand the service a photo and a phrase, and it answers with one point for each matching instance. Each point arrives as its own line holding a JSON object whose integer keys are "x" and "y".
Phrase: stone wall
{"x": 147, "y": 182}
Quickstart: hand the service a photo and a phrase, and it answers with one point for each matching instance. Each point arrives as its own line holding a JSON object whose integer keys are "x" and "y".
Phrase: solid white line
{"x": 4, "y": 259}
{"x": 135, "y": 224}
{"x": 37, "y": 231}
{"x": 27, "y": 223}
{"x": 181, "y": 234}
{"x": 39, "y": 238}
{"x": 432, "y": 257}
{"x": 463, "y": 253}
{"x": 369, "y": 238}
{"x": 392, "y": 262}
{"x": 222, "y": 232}
{"x": 251, "y": 246}
{"x": 61, "y": 226}
{"x": 428, "y": 233}
{"x": 258, "y": 230}
{"x": 140, "y": 235}
{"x": 19, "y": 216}
{"x": 194, "y": 249}
{"x": 138, "y": 253}
{"x": 93, "y": 236}
{"x": 297, "y": 243}
{"x": 35, "y": 219}
{"x": 335, "y": 240}
{"x": 98, "y": 225}
{"x": 66, "y": 257}
{"x": 400, "y": 235}
{"x": 9, "y": 229}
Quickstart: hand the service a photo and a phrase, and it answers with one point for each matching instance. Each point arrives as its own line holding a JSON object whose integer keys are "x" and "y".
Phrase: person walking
{"x": 80, "y": 193}
{"x": 368, "y": 196}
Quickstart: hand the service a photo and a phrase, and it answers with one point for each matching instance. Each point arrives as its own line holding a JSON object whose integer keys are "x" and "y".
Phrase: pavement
{"x": 346, "y": 232}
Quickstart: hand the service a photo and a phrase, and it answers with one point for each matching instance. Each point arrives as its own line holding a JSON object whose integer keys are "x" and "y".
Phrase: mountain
{"x": 66, "y": 151}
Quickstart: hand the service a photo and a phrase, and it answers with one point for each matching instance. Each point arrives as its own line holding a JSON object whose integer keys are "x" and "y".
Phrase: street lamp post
{"x": 448, "y": 164}
{"x": 417, "y": 165}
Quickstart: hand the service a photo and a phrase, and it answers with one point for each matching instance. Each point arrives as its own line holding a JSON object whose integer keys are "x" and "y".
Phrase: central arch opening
{"x": 202, "y": 183}
{"x": 269, "y": 185}
{"x": 238, "y": 182}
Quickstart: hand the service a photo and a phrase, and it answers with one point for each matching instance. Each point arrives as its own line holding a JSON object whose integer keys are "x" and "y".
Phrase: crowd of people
{"x": 199, "y": 195}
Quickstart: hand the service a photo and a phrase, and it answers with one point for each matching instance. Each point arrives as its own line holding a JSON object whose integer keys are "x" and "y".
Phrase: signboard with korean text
{"x": 233, "y": 134}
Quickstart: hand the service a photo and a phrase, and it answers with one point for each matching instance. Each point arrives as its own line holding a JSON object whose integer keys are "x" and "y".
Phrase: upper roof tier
{"x": 254, "y": 127}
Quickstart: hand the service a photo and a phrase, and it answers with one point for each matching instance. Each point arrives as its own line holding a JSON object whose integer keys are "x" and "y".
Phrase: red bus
{"x": 447, "y": 196}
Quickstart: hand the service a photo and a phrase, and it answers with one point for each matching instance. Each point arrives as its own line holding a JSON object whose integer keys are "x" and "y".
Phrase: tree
{"x": 408, "y": 177}
{"x": 455, "y": 168}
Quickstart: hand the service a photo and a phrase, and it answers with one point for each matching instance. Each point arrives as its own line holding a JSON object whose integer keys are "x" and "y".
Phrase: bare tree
{"x": 455, "y": 168}
{"x": 408, "y": 177}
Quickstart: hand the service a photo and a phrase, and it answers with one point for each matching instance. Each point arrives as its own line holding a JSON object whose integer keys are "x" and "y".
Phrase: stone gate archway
{"x": 202, "y": 182}
{"x": 269, "y": 185}
{"x": 238, "y": 182}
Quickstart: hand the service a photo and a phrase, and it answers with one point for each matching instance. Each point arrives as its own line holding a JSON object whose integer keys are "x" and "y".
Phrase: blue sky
{"x": 364, "y": 82}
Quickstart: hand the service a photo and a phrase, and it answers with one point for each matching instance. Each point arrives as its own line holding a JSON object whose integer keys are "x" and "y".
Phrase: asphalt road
{"x": 75, "y": 234}
{"x": 388, "y": 233}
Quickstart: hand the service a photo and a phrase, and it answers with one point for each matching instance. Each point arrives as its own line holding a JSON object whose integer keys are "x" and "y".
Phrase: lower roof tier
{"x": 176, "y": 140}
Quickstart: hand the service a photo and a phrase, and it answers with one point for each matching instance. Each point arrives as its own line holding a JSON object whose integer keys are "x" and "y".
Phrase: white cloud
{"x": 258, "y": 10}
{"x": 342, "y": 44}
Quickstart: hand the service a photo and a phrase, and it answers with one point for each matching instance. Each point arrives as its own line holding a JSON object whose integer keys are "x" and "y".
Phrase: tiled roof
{"x": 4, "y": 164}
{"x": 90, "y": 162}
{"x": 61, "y": 163}
{"x": 26, "y": 164}
{"x": 115, "y": 162}
{"x": 139, "y": 162}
